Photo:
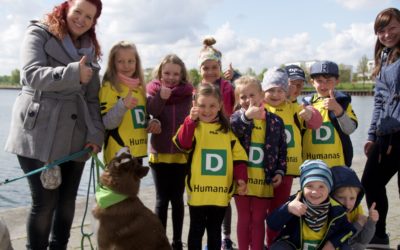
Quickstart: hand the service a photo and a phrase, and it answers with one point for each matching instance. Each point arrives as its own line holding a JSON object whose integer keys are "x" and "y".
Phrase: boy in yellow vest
{"x": 331, "y": 142}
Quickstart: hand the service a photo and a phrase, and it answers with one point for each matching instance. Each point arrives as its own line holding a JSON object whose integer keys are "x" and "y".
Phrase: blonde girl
{"x": 262, "y": 134}
{"x": 123, "y": 103}
{"x": 169, "y": 99}
{"x": 216, "y": 159}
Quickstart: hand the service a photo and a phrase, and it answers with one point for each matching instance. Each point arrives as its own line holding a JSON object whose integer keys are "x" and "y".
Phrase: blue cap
{"x": 315, "y": 170}
{"x": 295, "y": 72}
{"x": 324, "y": 68}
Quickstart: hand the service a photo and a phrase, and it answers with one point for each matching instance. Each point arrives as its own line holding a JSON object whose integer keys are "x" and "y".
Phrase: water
{"x": 17, "y": 193}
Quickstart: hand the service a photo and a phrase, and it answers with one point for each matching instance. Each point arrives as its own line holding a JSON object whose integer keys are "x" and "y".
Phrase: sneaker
{"x": 227, "y": 244}
{"x": 379, "y": 243}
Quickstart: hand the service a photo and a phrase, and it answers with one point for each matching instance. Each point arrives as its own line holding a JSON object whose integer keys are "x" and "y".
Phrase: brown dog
{"x": 128, "y": 224}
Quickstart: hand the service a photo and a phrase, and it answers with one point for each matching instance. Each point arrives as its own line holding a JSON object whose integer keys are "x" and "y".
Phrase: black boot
{"x": 177, "y": 245}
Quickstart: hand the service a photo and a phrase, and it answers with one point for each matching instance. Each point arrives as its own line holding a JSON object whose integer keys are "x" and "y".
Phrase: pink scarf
{"x": 131, "y": 83}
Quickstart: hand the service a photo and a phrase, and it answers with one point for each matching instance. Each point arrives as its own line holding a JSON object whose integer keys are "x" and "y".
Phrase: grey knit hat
{"x": 275, "y": 77}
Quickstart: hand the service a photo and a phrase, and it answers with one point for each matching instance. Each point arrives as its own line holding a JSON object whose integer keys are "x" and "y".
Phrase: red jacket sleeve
{"x": 186, "y": 133}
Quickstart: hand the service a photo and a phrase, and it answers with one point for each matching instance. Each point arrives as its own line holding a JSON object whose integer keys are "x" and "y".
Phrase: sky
{"x": 253, "y": 34}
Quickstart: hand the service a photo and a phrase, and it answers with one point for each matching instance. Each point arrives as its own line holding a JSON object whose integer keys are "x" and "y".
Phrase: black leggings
{"x": 377, "y": 174}
{"x": 169, "y": 180}
{"x": 205, "y": 218}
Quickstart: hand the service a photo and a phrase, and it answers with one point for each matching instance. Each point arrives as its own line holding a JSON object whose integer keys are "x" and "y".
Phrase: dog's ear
{"x": 142, "y": 171}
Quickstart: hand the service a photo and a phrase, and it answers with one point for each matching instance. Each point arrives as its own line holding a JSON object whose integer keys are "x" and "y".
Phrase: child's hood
{"x": 344, "y": 176}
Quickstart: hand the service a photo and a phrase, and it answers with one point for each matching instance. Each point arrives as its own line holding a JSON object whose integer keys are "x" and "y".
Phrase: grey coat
{"x": 54, "y": 115}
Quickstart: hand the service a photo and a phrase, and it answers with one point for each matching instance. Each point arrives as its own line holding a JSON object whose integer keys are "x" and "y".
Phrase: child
{"x": 311, "y": 219}
{"x": 297, "y": 79}
{"x": 331, "y": 141}
{"x": 349, "y": 192}
{"x": 275, "y": 85}
{"x": 169, "y": 99}
{"x": 209, "y": 62}
{"x": 262, "y": 134}
{"x": 210, "y": 71}
{"x": 123, "y": 103}
{"x": 216, "y": 159}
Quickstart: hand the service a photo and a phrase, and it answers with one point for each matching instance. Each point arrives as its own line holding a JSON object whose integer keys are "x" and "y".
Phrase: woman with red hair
{"x": 57, "y": 114}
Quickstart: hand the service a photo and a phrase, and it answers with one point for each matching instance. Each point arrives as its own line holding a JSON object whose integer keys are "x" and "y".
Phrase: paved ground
{"x": 15, "y": 218}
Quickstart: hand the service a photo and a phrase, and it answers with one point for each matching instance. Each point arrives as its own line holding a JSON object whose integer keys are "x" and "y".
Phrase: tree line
{"x": 362, "y": 73}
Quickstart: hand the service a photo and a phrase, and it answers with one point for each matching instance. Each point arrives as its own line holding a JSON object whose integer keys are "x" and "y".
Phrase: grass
{"x": 347, "y": 87}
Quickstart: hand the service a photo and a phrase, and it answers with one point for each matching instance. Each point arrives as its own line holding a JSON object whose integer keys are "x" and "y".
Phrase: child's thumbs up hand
{"x": 305, "y": 113}
{"x": 296, "y": 207}
{"x": 194, "y": 111}
{"x": 373, "y": 213}
{"x": 331, "y": 104}
{"x": 165, "y": 92}
{"x": 129, "y": 101}
{"x": 228, "y": 74}
{"x": 254, "y": 111}
{"x": 85, "y": 72}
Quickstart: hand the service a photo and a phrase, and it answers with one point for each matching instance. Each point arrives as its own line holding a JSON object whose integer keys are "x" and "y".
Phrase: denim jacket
{"x": 386, "y": 114}
{"x": 275, "y": 149}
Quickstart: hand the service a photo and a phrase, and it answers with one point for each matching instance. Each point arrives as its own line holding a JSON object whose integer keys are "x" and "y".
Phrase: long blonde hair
{"x": 111, "y": 71}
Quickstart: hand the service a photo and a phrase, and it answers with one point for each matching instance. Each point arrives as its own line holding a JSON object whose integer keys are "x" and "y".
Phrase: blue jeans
{"x": 52, "y": 210}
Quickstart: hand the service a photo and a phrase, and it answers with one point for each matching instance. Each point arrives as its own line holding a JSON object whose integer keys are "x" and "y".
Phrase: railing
{"x": 350, "y": 92}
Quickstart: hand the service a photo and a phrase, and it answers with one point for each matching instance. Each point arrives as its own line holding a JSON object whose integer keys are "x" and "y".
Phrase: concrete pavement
{"x": 16, "y": 218}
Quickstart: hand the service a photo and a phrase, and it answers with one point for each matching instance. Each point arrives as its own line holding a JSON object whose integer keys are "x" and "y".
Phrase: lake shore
{"x": 16, "y": 218}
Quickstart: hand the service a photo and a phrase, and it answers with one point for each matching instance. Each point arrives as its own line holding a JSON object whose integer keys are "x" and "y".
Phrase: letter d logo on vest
{"x": 324, "y": 135}
{"x": 256, "y": 155}
{"x": 289, "y": 136}
{"x": 213, "y": 162}
{"x": 138, "y": 117}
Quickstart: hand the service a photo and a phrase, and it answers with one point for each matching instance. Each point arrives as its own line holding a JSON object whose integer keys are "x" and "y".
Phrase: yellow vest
{"x": 353, "y": 215}
{"x": 324, "y": 143}
{"x": 180, "y": 158}
{"x": 312, "y": 239}
{"x": 131, "y": 131}
{"x": 210, "y": 181}
{"x": 256, "y": 185}
{"x": 287, "y": 111}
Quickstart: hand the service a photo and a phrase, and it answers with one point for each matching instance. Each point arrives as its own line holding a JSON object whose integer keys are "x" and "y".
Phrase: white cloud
{"x": 357, "y": 4}
{"x": 179, "y": 26}
{"x": 349, "y": 45}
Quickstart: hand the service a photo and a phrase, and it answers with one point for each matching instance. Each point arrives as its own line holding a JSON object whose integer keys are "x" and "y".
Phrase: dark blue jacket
{"x": 338, "y": 232}
{"x": 275, "y": 150}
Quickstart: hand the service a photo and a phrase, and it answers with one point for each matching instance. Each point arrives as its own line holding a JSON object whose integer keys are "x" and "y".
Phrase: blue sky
{"x": 253, "y": 34}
